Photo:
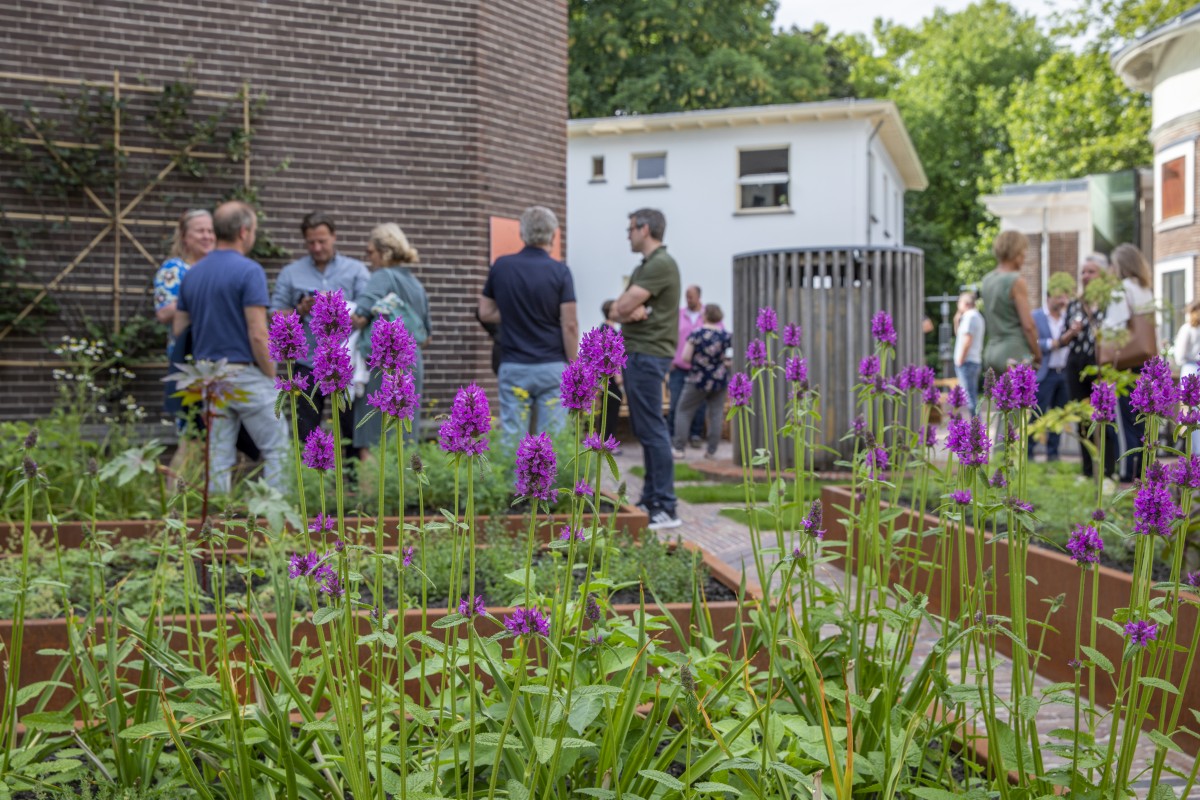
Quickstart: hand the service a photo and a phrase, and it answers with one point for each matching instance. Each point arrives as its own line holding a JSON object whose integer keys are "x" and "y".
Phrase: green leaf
{"x": 929, "y": 793}
{"x": 202, "y": 682}
{"x": 1029, "y": 708}
{"x": 1097, "y": 658}
{"x": 1162, "y": 740}
{"x": 144, "y": 730}
{"x": 584, "y": 711}
{"x": 669, "y": 781}
{"x": 50, "y": 721}
{"x": 449, "y": 621}
{"x": 319, "y": 725}
{"x": 516, "y": 790}
{"x": 1159, "y": 683}
{"x": 713, "y": 787}
{"x": 326, "y": 614}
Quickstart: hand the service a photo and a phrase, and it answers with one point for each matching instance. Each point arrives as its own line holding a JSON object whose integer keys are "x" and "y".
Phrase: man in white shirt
{"x": 1054, "y": 338}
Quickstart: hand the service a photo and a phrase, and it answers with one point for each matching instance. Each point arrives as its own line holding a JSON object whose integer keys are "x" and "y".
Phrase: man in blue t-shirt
{"x": 224, "y": 298}
{"x": 532, "y": 297}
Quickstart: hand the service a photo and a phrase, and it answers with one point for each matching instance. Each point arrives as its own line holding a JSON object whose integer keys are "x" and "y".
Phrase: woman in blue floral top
{"x": 194, "y": 239}
{"x": 707, "y": 380}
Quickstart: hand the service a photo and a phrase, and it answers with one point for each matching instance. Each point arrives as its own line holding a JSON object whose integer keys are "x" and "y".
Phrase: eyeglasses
{"x": 634, "y": 227}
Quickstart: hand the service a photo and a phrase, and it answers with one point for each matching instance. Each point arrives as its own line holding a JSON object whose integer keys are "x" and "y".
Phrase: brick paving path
{"x": 730, "y": 541}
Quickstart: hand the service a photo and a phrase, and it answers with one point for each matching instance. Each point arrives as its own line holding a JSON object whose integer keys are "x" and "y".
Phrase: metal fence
{"x": 832, "y": 292}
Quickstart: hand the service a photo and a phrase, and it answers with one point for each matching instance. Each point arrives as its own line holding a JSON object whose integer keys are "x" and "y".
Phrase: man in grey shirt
{"x": 968, "y": 348}
{"x": 322, "y": 270}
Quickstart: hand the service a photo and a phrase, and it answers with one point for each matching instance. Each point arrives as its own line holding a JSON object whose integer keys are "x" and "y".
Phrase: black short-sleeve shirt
{"x": 529, "y": 287}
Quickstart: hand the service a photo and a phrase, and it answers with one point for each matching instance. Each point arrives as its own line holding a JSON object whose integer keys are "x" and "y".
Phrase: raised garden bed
{"x": 1052, "y": 574}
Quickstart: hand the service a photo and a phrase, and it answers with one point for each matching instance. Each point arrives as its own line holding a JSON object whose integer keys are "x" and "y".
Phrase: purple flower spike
{"x": 298, "y": 383}
{"x": 767, "y": 321}
{"x": 303, "y": 564}
{"x": 1154, "y": 509}
{"x": 931, "y": 396}
{"x": 330, "y": 318}
{"x": 409, "y": 552}
{"x": 582, "y": 489}
{"x": 968, "y": 439}
{"x": 1098, "y": 515}
{"x": 1016, "y": 389}
{"x": 466, "y": 430}
{"x": 962, "y": 497}
{"x": 321, "y": 524}
{"x": 791, "y": 335}
{"x": 811, "y": 524}
{"x": 756, "y": 353}
{"x": 397, "y": 396}
{"x": 1190, "y": 389}
{"x": 877, "y": 463}
{"x": 957, "y": 397}
{"x": 527, "y": 622}
{"x": 318, "y": 450}
{"x": 578, "y": 386}
{"x": 740, "y": 389}
{"x": 332, "y": 369}
{"x": 593, "y": 441}
{"x": 603, "y": 349}
{"x": 1141, "y": 632}
{"x": 882, "y": 328}
{"x": 1104, "y": 402}
{"x": 566, "y": 534}
{"x": 1186, "y": 472}
{"x": 537, "y": 468}
{"x": 330, "y": 584}
{"x": 796, "y": 370}
{"x": 1084, "y": 544}
{"x": 998, "y": 481}
{"x": 930, "y": 437}
{"x": 1156, "y": 391}
{"x": 392, "y": 346}
{"x": 868, "y": 368}
{"x": 1193, "y": 579}
{"x": 469, "y": 609}
{"x": 285, "y": 340}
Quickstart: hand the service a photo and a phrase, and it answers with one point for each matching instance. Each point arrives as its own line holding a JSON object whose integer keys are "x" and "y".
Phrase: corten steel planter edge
{"x": 1055, "y": 574}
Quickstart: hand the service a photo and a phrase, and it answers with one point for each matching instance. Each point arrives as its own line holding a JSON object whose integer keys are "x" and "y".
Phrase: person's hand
{"x": 639, "y": 314}
{"x": 359, "y": 322}
{"x": 304, "y": 307}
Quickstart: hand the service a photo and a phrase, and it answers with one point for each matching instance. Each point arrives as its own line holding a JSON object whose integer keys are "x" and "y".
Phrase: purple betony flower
{"x": 756, "y": 353}
{"x": 1104, "y": 402}
{"x": 930, "y": 437}
{"x": 957, "y": 397}
{"x": 1084, "y": 544}
{"x": 409, "y": 552}
{"x": 578, "y": 386}
{"x": 1192, "y": 579}
{"x": 302, "y": 564}
{"x": 468, "y": 609}
{"x": 968, "y": 439}
{"x": 397, "y": 396}
{"x": 1189, "y": 389}
{"x": 931, "y": 396}
{"x": 767, "y": 321}
{"x": 392, "y": 346}
{"x": 583, "y": 489}
{"x": 961, "y": 497}
{"x": 470, "y": 420}
{"x": 330, "y": 318}
{"x": 1154, "y": 509}
{"x": 924, "y": 378}
{"x": 318, "y": 450}
{"x": 537, "y": 468}
{"x": 868, "y": 368}
{"x": 331, "y": 367}
{"x": 285, "y": 339}
{"x": 594, "y": 441}
{"x": 882, "y": 328}
{"x": 795, "y": 370}
{"x": 339, "y": 545}
{"x": 740, "y": 389}
{"x": 1186, "y": 472}
{"x": 1017, "y": 504}
{"x": 791, "y": 335}
{"x": 526, "y": 622}
{"x": 329, "y": 583}
{"x": 1098, "y": 515}
{"x": 877, "y": 463}
{"x": 322, "y": 523}
{"x": 603, "y": 348}
{"x": 566, "y": 534}
{"x": 1156, "y": 391}
{"x": 592, "y": 610}
{"x": 859, "y": 426}
{"x": 998, "y": 481}
{"x": 1141, "y": 632}
{"x": 1016, "y": 389}
{"x": 297, "y": 384}
{"x": 811, "y": 523}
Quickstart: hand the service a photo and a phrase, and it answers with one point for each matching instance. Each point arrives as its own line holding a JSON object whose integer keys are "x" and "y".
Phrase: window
{"x": 597, "y": 169}
{"x": 1175, "y": 185}
{"x": 1173, "y": 289}
{"x": 650, "y": 169}
{"x": 763, "y": 179}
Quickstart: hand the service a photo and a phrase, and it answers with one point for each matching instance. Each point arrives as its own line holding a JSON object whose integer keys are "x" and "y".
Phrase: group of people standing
{"x": 1060, "y": 339}
{"x": 216, "y": 300}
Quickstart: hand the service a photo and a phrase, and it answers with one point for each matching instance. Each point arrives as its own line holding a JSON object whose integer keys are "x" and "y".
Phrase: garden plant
{"x": 361, "y": 671}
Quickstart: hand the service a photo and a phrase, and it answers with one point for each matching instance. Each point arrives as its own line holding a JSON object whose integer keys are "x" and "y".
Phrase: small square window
{"x": 1173, "y": 183}
{"x": 597, "y": 168}
{"x": 650, "y": 168}
{"x": 763, "y": 178}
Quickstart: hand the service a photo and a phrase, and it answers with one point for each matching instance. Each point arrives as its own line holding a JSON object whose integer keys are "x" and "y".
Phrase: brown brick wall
{"x": 1183, "y": 240}
{"x": 1064, "y": 257}
{"x": 435, "y": 114}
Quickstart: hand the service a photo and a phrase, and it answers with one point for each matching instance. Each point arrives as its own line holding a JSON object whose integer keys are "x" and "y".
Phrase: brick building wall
{"x": 436, "y": 114}
{"x": 1183, "y": 240}
{"x": 1064, "y": 257}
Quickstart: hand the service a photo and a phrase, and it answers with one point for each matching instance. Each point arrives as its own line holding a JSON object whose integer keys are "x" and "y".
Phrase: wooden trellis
{"x": 114, "y": 221}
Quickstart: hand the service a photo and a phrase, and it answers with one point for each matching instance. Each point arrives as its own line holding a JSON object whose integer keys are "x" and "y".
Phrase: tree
{"x": 676, "y": 55}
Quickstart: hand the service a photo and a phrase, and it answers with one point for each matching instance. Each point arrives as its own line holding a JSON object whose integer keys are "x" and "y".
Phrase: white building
{"x": 829, "y": 174}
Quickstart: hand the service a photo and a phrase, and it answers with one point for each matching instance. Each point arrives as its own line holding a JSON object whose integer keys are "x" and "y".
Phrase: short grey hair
{"x": 1099, "y": 259}
{"x": 538, "y": 225}
{"x": 231, "y": 218}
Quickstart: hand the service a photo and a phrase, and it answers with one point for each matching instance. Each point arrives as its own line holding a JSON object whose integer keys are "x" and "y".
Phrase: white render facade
{"x": 829, "y": 174}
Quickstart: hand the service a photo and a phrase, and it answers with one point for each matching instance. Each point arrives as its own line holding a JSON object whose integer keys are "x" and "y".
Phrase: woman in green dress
{"x": 1011, "y": 334}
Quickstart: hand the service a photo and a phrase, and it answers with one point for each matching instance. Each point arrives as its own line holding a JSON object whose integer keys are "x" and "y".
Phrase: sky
{"x": 857, "y": 16}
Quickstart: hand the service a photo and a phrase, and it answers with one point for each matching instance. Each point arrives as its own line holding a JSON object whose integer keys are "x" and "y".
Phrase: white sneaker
{"x": 663, "y": 520}
{"x": 679, "y": 454}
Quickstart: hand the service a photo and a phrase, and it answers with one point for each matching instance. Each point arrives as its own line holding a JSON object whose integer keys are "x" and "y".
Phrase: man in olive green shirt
{"x": 649, "y": 317}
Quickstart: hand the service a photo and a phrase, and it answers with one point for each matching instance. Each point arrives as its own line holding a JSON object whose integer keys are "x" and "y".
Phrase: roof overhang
{"x": 1138, "y": 61}
{"x": 892, "y": 133}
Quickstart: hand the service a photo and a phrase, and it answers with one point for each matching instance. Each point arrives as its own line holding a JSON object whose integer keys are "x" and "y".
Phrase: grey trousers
{"x": 691, "y": 399}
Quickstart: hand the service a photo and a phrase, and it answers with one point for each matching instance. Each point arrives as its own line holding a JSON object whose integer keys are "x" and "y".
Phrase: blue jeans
{"x": 968, "y": 378}
{"x": 644, "y": 375}
{"x": 524, "y": 387}
{"x": 675, "y": 382}
{"x": 1052, "y": 393}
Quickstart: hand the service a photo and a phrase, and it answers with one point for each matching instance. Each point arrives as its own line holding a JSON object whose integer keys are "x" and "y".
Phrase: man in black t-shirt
{"x": 532, "y": 297}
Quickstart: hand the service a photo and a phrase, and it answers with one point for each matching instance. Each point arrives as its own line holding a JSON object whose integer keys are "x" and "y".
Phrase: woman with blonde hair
{"x": 393, "y": 292}
{"x": 1011, "y": 332}
{"x": 1135, "y": 297}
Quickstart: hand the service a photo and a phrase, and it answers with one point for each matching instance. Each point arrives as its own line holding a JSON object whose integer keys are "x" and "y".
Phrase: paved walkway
{"x": 730, "y": 541}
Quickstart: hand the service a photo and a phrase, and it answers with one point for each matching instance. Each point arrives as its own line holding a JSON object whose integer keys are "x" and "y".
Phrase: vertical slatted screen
{"x": 832, "y": 293}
